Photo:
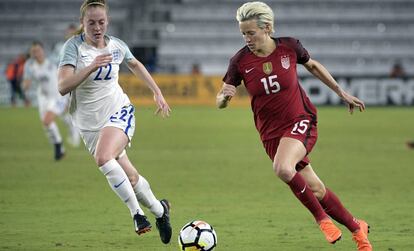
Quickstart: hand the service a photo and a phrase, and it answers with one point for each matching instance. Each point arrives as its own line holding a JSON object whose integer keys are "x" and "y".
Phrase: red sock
{"x": 334, "y": 208}
{"x": 306, "y": 196}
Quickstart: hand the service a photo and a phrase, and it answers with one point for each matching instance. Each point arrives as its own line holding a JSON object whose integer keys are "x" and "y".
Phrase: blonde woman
{"x": 88, "y": 70}
{"x": 285, "y": 117}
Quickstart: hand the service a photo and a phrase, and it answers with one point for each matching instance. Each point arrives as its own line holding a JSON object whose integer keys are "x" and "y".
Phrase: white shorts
{"x": 57, "y": 105}
{"x": 124, "y": 119}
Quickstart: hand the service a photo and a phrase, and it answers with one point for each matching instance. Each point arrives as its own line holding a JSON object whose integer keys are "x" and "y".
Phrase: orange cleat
{"x": 141, "y": 224}
{"x": 361, "y": 237}
{"x": 332, "y": 233}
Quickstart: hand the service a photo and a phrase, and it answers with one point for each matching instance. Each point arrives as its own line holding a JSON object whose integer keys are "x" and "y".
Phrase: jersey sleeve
{"x": 128, "y": 54}
{"x": 233, "y": 76}
{"x": 69, "y": 53}
{"x": 302, "y": 55}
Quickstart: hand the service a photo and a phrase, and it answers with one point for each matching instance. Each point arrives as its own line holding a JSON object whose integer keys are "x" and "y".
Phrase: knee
{"x": 101, "y": 158}
{"x": 318, "y": 190}
{"x": 283, "y": 170}
{"x": 133, "y": 178}
{"x": 46, "y": 123}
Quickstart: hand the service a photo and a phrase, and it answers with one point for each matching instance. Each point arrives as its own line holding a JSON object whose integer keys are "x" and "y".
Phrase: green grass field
{"x": 211, "y": 165}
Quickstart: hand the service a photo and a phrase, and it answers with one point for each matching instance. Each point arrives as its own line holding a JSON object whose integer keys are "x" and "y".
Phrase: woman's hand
{"x": 163, "y": 108}
{"x": 225, "y": 95}
{"x": 352, "y": 102}
{"x": 101, "y": 61}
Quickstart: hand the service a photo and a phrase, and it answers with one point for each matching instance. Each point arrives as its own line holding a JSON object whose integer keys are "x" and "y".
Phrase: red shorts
{"x": 303, "y": 129}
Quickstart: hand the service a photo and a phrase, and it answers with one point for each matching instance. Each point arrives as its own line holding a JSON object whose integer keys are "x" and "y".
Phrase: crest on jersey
{"x": 267, "y": 68}
{"x": 116, "y": 55}
{"x": 284, "y": 60}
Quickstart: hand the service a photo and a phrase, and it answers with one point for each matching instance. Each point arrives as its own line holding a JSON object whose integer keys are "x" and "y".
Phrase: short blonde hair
{"x": 259, "y": 11}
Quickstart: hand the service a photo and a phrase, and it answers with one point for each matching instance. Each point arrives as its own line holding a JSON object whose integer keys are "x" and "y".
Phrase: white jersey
{"x": 99, "y": 95}
{"x": 44, "y": 76}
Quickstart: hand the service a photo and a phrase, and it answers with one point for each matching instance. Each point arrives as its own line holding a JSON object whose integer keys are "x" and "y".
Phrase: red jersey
{"x": 272, "y": 82}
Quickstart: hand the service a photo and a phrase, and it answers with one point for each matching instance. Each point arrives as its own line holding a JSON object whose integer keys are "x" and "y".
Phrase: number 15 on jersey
{"x": 270, "y": 84}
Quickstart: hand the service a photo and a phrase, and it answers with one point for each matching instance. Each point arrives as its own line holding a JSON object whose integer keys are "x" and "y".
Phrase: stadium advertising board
{"x": 202, "y": 90}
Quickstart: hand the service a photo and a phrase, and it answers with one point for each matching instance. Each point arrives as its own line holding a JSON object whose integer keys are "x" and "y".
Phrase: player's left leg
{"x": 146, "y": 197}
{"x": 334, "y": 208}
{"x": 329, "y": 201}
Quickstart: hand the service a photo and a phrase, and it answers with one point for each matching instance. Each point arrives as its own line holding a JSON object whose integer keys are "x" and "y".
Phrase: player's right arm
{"x": 68, "y": 79}
{"x": 224, "y": 95}
{"x": 27, "y": 76}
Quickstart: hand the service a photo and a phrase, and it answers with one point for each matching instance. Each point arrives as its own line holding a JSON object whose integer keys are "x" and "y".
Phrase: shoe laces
{"x": 361, "y": 240}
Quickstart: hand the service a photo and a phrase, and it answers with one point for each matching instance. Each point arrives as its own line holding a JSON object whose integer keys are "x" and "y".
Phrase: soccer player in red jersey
{"x": 285, "y": 117}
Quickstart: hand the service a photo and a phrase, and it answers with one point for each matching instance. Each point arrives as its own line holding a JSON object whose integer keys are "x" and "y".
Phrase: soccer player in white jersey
{"x": 74, "y": 138}
{"x": 42, "y": 72}
{"x": 88, "y": 70}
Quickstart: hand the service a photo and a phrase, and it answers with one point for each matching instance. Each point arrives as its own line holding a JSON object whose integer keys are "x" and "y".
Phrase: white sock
{"x": 52, "y": 132}
{"x": 119, "y": 182}
{"x": 146, "y": 197}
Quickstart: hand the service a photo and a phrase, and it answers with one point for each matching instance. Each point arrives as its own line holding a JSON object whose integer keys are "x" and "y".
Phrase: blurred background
{"x": 368, "y": 45}
{"x": 210, "y": 164}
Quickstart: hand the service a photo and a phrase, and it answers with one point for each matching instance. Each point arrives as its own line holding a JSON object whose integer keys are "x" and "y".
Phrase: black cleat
{"x": 141, "y": 224}
{"x": 163, "y": 223}
{"x": 59, "y": 151}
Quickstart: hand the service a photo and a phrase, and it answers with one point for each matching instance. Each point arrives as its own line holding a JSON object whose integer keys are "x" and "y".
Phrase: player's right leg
{"x": 144, "y": 194}
{"x": 289, "y": 152}
{"x": 110, "y": 143}
{"x": 53, "y": 133}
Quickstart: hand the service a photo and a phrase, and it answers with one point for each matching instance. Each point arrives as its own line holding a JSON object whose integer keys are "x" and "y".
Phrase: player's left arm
{"x": 141, "y": 72}
{"x": 319, "y": 71}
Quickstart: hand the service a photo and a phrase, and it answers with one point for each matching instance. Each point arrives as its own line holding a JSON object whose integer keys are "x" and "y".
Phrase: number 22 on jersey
{"x": 100, "y": 74}
{"x": 270, "y": 84}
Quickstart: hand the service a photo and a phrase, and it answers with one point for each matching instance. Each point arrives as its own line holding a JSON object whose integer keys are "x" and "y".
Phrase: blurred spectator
{"x": 14, "y": 74}
{"x": 195, "y": 69}
{"x": 397, "y": 71}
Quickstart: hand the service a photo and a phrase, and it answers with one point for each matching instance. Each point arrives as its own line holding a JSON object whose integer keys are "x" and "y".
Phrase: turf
{"x": 211, "y": 165}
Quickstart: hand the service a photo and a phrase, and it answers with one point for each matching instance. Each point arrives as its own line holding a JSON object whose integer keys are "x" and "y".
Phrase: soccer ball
{"x": 197, "y": 235}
